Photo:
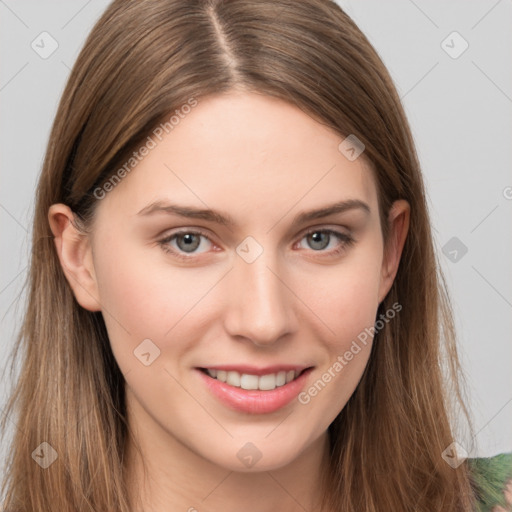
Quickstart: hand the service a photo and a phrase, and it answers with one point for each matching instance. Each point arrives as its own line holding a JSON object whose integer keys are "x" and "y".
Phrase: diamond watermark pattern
{"x": 44, "y": 45}
{"x": 45, "y": 455}
{"x": 454, "y": 250}
{"x": 455, "y": 455}
{"x": 146, "y": 352}
{"x": 249, "y": 455}
{"x": 454, "y": 45}
{"x": 249, "y": 250}
{"x": 351, "y": 147}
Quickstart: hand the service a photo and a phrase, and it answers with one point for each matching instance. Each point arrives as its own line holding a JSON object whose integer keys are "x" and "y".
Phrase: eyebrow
{"x": 225, "y": 220}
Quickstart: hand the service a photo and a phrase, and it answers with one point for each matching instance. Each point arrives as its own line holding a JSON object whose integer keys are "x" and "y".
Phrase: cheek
{"x": 143, "y": 299}
{"x": 348, "y": 308}
{"x": 345, "y": 296}
{"x": 346, "y": 300}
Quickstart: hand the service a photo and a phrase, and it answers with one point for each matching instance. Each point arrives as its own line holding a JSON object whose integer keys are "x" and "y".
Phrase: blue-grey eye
{"x": 188, "y": 242}
{"x": 318, "y": 240}
{"x": 321, "y": 239}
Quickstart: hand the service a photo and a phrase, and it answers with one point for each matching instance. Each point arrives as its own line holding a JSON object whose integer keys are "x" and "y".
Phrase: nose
{"x": 260, "y": 306}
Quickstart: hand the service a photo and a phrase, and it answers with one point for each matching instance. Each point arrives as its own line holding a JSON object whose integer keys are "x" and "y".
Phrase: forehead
{"x": 243, "y": 151}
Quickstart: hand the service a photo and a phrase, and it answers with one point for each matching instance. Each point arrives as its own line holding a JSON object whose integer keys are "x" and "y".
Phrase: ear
{"x": 75, "y": 256}
{"x": 398, "y": 222}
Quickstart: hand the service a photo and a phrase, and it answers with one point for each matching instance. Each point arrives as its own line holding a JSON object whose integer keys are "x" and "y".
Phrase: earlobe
{"x": 398, "y": 221}
{"x": 75, "y": 256}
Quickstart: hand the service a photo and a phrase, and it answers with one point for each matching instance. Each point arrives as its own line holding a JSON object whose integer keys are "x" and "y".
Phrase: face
{"x": 237, "y": 267}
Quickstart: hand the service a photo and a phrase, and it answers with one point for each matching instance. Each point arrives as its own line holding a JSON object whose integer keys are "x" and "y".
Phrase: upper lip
{"x": 253, "y": 370}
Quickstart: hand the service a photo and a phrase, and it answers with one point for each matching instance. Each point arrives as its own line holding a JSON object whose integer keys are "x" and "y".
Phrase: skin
{"x": 261, "y": 161}
{"x": 508, "y": 497}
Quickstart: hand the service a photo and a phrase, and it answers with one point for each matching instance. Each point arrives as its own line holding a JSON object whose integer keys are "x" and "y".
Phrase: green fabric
{"x": 490, "y": 475}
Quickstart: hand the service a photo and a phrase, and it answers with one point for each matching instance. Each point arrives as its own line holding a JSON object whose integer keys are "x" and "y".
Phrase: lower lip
{"x": 255, "y": 401}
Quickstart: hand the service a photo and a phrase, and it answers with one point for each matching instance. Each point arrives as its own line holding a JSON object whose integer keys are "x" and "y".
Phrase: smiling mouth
{"x": 247, "y": 381}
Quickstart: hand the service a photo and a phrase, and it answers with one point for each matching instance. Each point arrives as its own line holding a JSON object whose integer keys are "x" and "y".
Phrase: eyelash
{"x": 345, "y": 239}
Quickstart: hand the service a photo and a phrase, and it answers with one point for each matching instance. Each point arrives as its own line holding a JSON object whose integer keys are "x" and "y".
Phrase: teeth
{"x": 281, "y": 379}
{"x": 267, "y": 382}
{"x": 247, "y": 381}
{"x": 233, "y": 379}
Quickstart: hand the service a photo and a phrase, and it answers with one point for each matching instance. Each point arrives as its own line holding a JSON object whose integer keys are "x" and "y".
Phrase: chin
{"x": 261, "y": 454}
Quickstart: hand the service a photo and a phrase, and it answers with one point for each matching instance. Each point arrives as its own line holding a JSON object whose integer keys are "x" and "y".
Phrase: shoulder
{"x": 492, "y": 481}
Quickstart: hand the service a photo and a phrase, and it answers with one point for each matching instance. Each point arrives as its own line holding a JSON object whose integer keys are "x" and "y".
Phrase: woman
{"x": 234, "y": 297}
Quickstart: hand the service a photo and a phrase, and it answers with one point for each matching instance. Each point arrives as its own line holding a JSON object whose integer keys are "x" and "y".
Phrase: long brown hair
{"x": 141, "y": 62}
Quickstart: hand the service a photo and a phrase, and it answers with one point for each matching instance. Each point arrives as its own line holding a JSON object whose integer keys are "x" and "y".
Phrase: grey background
{"x": 460, "y": 113}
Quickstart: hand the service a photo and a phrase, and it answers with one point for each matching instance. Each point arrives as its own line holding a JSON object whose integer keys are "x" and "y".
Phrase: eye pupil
{"x": 319, "y": 240}
{"x": 189, "y": 243}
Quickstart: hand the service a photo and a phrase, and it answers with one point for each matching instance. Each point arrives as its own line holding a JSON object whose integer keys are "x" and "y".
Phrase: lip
{"x": 255, "y": 401}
